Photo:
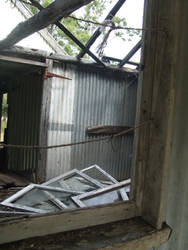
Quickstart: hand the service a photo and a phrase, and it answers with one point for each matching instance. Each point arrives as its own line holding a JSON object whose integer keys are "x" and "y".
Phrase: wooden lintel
{"x": 22, "y": 61}
{"x": 123, "y": 235}
{"x": 107, "y": 130}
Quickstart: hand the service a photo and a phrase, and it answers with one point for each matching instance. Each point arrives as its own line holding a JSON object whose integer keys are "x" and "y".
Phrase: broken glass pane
{"x": 102, "y": 199}
{"x": 74, "y": 183}
{"x": 45, "y": 199}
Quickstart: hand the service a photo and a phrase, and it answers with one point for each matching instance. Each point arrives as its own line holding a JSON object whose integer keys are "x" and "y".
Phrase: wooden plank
{"x": 65, "y": 221}
{"x": 44, "y": 120}
{"x": 107, "y": 130}
{"x": 17, "y": 51}
{"x": 128, "y": 234}
{"x": 156, "y": 104}
{"x": 22, "y": 61}
{"x": 141, "y": 142}
{"x": 152, "y": 239}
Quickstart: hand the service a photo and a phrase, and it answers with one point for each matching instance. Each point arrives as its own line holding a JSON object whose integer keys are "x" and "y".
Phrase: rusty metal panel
{"x": 24, "y": 99}
{"x": 93, "y": 97}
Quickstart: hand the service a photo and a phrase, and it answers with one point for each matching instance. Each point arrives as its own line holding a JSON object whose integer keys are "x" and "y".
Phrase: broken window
{"x": 41, "y": 199}
{"x": 102, "y": 196}
{"x": 74, "y": 180}
{"x": 71, "y": 190}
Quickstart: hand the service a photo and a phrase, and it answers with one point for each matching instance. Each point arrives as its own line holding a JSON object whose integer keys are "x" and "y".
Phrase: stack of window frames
{"x": 89, "y": 187}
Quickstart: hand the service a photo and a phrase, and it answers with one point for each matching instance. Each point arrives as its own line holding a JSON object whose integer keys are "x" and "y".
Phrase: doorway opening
{"x": 4, "y": 117}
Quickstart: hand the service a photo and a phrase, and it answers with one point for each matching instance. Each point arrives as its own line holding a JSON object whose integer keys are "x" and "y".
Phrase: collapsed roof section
{"x": 46, "y": 36}
{"x": 85, "y": 49}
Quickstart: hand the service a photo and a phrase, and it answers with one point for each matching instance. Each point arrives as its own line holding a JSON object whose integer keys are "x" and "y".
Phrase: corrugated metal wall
{"x": 24, "y": 98}
{"x": 91, "y": 98}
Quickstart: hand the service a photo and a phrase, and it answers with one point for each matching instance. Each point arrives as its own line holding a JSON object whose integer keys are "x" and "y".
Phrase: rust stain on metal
{"x": 49, "y": 75}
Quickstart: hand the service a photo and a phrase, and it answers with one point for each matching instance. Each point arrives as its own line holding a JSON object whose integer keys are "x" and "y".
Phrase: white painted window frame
{"x": 74, "y": 172}
{"x": 10, "y": 202}
{"x": 110, "y": 178}
{"x": 79, "y": 200}
{"x": 95, "y": 166}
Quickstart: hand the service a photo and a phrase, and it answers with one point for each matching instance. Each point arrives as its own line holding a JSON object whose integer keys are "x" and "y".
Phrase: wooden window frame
{"x": 152, "y": 142}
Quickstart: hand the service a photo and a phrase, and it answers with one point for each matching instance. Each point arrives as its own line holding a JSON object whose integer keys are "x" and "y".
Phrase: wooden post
{"x": 156, "y": 103}
{"x": 44, "y": 119}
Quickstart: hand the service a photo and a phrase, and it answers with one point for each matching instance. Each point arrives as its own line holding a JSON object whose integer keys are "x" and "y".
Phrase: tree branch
{"x": 47, "y": 16}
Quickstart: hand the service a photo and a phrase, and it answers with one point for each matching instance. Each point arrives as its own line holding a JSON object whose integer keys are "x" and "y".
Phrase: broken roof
{"x": 45, "y": 35}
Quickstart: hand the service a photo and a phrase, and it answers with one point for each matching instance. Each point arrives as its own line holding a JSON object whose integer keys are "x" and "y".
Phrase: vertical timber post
{"x": 44, "y": 120}
{"x": 156, "y": 103}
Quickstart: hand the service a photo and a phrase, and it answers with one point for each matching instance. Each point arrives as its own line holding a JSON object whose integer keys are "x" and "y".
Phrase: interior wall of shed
{"x": 24, "y": 100}
{"x": 92, "y": 98}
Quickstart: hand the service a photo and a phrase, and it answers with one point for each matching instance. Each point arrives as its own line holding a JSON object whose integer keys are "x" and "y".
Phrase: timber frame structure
{"x": 85, "y": 49}
{"x": 26, "y": 13}
{"x": 152, "y": 148}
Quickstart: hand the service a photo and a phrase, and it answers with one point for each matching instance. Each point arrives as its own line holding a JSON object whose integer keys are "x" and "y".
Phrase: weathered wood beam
{"x": 97, "y": 33}
{"x": 41, "y": 225}
{"x": 156, "y": 103}
{"x": 22, "y": 61}
{"x": 47, "y": 16}
{"x": 69, "y": 34}
{"x": 43, "y": 127}
{"x": 18, "y": 51}
{"x": 107, "y": 130}
{"x": 130, "y": 54}
{"x": 123, "y": 235}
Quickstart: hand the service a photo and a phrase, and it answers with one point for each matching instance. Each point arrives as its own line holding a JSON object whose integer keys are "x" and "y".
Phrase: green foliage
{"x": 83, "y": 30}
{"x": 3, "y": 126}
{"x": 4, "y": 106}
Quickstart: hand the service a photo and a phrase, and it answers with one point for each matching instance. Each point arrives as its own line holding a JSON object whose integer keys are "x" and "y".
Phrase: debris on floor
{"x": 10, "y": 180}
{"x": 89, "y": 187}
